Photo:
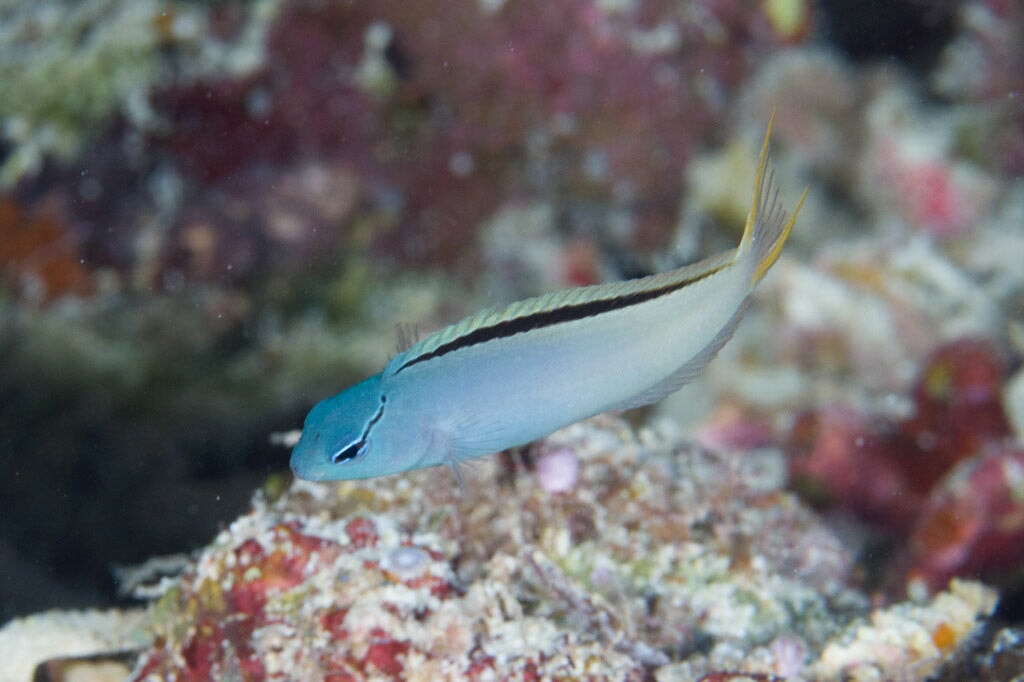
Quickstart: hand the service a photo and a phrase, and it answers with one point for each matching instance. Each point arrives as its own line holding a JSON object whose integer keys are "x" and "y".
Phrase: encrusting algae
{"x": 632, "y": 570}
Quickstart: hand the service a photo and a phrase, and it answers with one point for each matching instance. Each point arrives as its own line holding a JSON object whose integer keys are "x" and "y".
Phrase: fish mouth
{"x": 304, "y": 463}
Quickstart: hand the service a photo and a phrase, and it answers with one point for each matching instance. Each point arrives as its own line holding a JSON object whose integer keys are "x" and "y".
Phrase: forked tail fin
{"x": 768, "y": 225}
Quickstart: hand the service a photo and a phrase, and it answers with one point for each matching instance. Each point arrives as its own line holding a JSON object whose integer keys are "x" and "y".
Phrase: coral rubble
{"x": 55, "y": 639}
{"x": 661, "y": 560}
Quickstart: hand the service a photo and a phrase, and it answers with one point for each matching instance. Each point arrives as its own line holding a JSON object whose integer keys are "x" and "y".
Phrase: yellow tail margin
{"x": 767, "y": 228}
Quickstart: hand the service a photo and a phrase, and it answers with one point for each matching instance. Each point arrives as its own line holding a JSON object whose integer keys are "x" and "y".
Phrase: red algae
{"x": 362, "y": 532}
{"x": 229, "y": 608}
{"x": 973, "y": 521}
{"x": 346, "y": 593}
{"x": 39, "y": 260}
{"x": 442, "y": 114}
{"x": 385, "y": 656}
{"x": 842, "y": 458}
{"x": 959, "y": 409}
{"x": 425, "y": 158}
{"x": 944, "y": 476}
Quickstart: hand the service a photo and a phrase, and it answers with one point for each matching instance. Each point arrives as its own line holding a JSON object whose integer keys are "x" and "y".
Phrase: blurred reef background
{"x": 213, "y": 215}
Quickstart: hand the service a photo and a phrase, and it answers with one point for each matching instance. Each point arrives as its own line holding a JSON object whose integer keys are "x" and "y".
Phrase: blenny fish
{"x": 506, "y": 376}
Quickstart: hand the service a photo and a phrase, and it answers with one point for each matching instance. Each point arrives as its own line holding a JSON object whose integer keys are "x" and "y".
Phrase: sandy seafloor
{"x": 213, "y": 217}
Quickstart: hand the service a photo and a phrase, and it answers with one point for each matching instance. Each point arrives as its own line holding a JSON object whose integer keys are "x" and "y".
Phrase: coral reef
{"x": 213, "y": 215}
{"x": 890, "y": 373}
{"x": 204, "y": 114}
{"x": 67, "y": 69}
{"x": 923, "y": 452}
{"x": 633, "y": 570}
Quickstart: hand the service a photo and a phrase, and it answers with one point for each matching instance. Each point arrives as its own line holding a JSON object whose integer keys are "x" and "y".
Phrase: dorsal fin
{"x": 559, "y": 306}
{"x": 407, "y": 335}
{"x": 765, "y": 233}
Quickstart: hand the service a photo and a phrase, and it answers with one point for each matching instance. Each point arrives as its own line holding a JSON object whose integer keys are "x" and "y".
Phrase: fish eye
{"x": 357, "y": 448}
{"x": 349, "y": 452}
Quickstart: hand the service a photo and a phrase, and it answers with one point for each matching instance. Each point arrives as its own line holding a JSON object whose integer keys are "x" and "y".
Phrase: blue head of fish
{"x": 341, "y": 434}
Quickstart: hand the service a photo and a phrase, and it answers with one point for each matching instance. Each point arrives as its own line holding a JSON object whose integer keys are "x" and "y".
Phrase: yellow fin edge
{"x": 759, "y": 226}
{"x": 773, "y": 254}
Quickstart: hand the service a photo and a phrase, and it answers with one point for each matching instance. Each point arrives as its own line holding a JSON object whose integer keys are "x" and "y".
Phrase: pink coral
{"x": 931, "y": 190}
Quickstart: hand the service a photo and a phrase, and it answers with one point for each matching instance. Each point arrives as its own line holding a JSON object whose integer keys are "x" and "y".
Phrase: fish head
{"x": 345, "y": 436}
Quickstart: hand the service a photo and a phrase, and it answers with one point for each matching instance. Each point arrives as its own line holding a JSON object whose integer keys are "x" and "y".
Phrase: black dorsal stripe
{"x": 547, "y": 318}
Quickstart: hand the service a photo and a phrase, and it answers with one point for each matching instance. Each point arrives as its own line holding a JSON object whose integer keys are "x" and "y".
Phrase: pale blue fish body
{"x": 505, "y": 377}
